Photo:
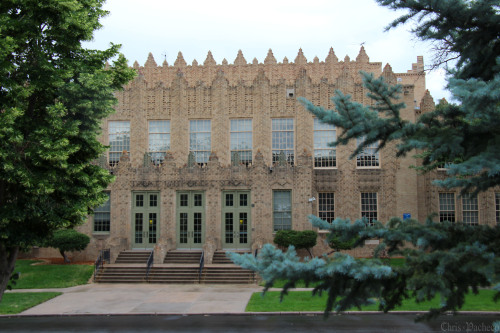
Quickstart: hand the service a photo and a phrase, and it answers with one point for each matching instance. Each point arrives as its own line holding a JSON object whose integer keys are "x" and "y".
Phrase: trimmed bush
{"x": 299, "y": 239}
{"x": 66, "y": 240}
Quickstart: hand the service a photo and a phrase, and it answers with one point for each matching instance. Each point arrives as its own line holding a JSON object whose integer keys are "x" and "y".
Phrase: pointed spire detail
{"x": 150, "y": 63}
{"x": 347, "y": 59}
{"x": 209, "y": 61}
{"x": 165, "y": 63}
{"x": 388, "y": 75}
{"x": 300, "y": 59}
{"x": 331, "y": 58}
{"x": 255, "y": 61}
{"x": 285, "y": 60}
{"x": 270, "y": 59}
{"x": 195, "y": 63}
{"x": 362, "y": 56}
{"x": 316, "y": 60}
{"x": 240, "y": 59}
{"x": 224, "y": 62}
{"x": 427, "y": 102}
{"x": 180, "y": 62}
{"x": 136, "y": 65}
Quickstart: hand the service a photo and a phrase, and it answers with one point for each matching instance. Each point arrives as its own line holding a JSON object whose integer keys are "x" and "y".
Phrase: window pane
{"x": 119, "y": 140}
{"x": 241, "y": 140}
{"x": 369, "y": 157}
{"x": 282, "y": 210}
{"x": 470, "y": 209}
{"x": 283, "y": 140}
{"x": 159, "y": 140}
{"x": 326, "y": 209}
{"x": 369, "y": 206}
{"x": 324, "y": 155}
{"x": 102, "y": 216}
{"x": 200, "y": 140}
{"x": 447, "y": 207}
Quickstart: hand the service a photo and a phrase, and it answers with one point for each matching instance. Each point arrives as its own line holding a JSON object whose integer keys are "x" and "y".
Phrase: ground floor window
{"x": 369, "y": 206}
{"x": 282, "y": 210}
{"x": 497, "y": 207}
{"x": 102, "y": 216}
{"x": 326, "y": 206}
{"x": 447, "y": 207}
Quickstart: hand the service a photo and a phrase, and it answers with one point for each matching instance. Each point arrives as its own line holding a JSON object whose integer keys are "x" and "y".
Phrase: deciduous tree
{"x": 53, "y": 95}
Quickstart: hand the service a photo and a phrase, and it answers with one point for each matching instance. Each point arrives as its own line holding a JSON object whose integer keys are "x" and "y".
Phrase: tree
{"x": 53, "y": 95}
{"x": 66, "y": 240}
{"x": 445, "y": 259}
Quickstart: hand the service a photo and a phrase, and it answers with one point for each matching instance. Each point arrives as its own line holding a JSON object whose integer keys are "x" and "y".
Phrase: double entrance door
{"x": 236, "y": 219}
{"x": 145, "y": 219}
{"x": 190, "y": 219}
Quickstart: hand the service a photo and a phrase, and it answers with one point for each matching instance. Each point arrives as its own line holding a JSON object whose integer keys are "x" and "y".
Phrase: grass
{"x": 13, "y": 303}
{"x": 50, "y": 276}
{"x": 304, "y": 301}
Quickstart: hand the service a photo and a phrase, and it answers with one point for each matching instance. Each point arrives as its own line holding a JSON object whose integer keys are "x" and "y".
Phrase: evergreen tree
{"x": 446, "y": 259}
{"x": 53, "y": 95}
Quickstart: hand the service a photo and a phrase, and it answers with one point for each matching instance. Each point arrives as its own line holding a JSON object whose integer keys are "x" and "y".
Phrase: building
{"x": 220, "y": 156}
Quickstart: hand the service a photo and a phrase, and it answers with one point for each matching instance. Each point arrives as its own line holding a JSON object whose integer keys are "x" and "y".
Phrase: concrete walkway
{"x": 120, "y": 298}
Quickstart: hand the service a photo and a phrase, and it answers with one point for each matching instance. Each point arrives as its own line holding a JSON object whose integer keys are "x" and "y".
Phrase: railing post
{"x": 202, "y": 264}
{"x": 150, "y": 264}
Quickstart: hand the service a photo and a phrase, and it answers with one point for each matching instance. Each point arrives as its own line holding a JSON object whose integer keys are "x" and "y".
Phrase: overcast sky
{"x": 165, "y": 27}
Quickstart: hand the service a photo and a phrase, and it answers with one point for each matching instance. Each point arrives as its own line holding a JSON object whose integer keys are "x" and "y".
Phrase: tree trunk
{"x": 8, "y": 256}
{"x": 66, "y": 259}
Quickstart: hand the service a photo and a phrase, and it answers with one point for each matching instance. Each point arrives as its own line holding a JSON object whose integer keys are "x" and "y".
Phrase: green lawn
{"x": 50, "y": 276}
{"x": 13, "y": 303}
{"x": 304, "y": 301}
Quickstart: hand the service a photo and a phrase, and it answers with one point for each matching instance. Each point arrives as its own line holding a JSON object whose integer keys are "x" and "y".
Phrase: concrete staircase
{"x": 133, "y": 257}
{"x": 174, "y": 274}
{"x": 117, "y": 273}
{"x": 182, "y": 257}
{"x": 178, "y": 267}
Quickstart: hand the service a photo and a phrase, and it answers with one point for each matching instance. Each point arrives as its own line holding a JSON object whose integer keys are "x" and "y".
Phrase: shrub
{"x": 68, "y": 240}
{"x": 299, "y": 239}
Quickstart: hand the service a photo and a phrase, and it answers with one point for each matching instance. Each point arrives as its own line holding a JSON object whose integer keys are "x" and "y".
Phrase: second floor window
{"x": 159, "y": 140}
{"x": 200, "y": 140}
{"x": 324, "y": 155}
{"x": 369, "y": 157}
{"x": 241, "y": 140}
{"x": 119, "y": 140}
{"x": 283, "y": 140}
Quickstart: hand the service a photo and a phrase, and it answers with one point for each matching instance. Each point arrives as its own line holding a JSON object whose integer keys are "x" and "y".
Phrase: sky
{"x": 194, "y": 27}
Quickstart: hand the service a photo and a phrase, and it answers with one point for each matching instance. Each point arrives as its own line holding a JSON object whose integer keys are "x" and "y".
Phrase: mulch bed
{"x": 60, "y": 261}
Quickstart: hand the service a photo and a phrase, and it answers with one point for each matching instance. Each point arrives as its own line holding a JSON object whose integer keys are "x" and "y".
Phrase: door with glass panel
{"x": 190, "y": 219}
{"x": 145, "y": 219}
{"x": 236, "y": 219}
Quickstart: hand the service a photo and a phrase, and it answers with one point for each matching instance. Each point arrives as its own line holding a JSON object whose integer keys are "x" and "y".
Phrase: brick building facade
{"x": 220, "y": 156}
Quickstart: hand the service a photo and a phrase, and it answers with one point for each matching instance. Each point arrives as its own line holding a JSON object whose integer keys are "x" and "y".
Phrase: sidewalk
{"x": 103, "y": 298}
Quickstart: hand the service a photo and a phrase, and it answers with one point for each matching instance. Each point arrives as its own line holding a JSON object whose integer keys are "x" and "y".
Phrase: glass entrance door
{"x": 236, "y": 219}
{"x": 145, "y": 219}
{"x": 190, "y": 220}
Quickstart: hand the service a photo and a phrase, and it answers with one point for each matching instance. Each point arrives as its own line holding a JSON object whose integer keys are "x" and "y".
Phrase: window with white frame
{"x": 326, "y": 206}
{"x": 369, "y": 157}
{"x": 447, "y": 207}
{"x": 102, "y": 216}
{"x": 369, "y": 206}
{"x": 200, "y": 139}
{"x": 283, "y": 140}
{"x": 119, "y": 140}
{"x": 497, "y": 207}
{"x": 470, "y": 209}
{"x": 241, "y": 140}
{"x": 324, "y": 155}
{"x": 282, "y": 210}
{"x": 159, "y": 140}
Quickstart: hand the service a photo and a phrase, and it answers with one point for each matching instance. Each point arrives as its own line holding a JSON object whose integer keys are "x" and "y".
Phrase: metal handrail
{"x": 256, "y": 253}
{"x": 150, "y": 264}
{"x": 202, "y": 264}
{"x": 104, "y": 255}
